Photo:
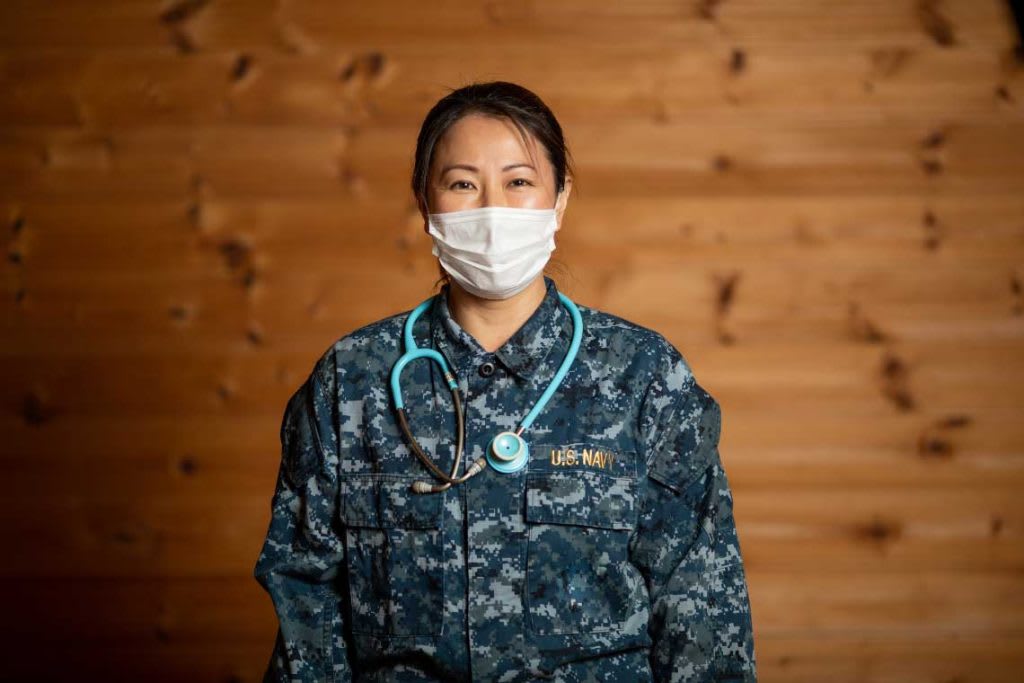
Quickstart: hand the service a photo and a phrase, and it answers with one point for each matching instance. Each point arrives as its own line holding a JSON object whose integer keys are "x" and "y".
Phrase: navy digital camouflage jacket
{"x": 612, "y": 556}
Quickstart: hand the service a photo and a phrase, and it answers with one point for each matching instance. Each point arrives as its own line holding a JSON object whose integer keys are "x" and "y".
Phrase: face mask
{"x": 494, "y": 252}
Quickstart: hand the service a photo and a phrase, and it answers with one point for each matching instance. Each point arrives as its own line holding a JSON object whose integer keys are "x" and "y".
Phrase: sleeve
{"x": 686, "y": 545}
{"x": 303, "y": 551}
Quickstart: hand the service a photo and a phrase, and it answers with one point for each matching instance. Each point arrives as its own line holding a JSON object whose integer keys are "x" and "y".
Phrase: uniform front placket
{"x": 495, "y": 531}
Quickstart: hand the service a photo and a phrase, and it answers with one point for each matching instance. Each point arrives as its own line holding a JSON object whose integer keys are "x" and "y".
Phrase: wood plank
{"x": 104, "y": 531}
{"x": 638, "y": 159}
{"x": 206, "y": 455}
{"x": 835, "y": 529}
{"x": 871, "y": 659}
{"x": 870, "y": 227}
{"x": 786, "y": 660}
{"x": 223, "y": 383}
{"x": 904, "y": 608}
{"x": 358, "y": 84}
{"x": 318, "y": 24}
{"x": 166, "y": 662}
{"x": 924, "y": 604}
{"x": 764, "y": 451}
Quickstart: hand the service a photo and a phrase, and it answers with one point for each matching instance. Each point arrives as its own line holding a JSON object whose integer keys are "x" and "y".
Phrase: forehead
{"x": 479, "y": 138}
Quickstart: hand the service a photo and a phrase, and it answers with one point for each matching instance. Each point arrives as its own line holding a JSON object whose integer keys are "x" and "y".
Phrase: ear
{"x": 562, "y": 200}
{"x": 423, "y": 213}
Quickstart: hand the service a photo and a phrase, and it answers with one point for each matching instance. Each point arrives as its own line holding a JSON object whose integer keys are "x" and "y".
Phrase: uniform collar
{"x": 524, "y": 351}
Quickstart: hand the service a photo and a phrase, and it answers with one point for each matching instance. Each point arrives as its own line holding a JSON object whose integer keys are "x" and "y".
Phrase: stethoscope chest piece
{"x": 508, "y": 452}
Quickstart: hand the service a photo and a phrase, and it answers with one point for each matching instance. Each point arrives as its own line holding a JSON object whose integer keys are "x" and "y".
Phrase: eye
{"x": 523, "y": 180}
{"x": 457, "y": 183}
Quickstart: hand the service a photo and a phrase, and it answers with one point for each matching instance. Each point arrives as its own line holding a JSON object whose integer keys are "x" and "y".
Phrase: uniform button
{"x": 486, "y": 369}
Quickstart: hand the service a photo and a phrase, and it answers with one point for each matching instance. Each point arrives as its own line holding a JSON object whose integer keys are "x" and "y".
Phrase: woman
{"x": 587, "y": 533}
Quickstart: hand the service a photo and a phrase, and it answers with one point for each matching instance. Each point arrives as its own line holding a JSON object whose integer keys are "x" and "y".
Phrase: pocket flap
{"x": 385, "y": 500}
{"x": 581, "y": 498}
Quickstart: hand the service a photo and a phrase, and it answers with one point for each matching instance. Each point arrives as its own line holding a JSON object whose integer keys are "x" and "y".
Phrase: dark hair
{"x": 499, "y": 99}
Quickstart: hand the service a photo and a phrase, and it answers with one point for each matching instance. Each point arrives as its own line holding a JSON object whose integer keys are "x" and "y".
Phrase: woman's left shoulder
{"x": 639, "y": 345}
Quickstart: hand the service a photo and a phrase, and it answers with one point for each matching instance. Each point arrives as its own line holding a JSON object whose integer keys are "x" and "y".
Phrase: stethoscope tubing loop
{"x": 408, "y": 357}
{"x": 449, "y": 479}
{"x": 413, "y": 352}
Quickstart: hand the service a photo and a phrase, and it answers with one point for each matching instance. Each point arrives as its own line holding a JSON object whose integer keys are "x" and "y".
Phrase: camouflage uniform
{"x": 612, "y": 556}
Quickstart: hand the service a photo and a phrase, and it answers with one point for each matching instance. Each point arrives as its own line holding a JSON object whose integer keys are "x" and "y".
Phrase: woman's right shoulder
{"x": 367, "y": 348}
{"x": 384, "y": 335}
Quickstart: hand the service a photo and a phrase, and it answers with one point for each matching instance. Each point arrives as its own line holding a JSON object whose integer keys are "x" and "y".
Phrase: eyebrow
{"x": 474, "y": 169}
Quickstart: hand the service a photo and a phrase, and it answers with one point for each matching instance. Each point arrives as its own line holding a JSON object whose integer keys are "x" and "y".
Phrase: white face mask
{"x": 494, "y": 252}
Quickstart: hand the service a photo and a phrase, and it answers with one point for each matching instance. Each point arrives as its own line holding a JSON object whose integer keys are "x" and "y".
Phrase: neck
{"x": 492, "y": 322}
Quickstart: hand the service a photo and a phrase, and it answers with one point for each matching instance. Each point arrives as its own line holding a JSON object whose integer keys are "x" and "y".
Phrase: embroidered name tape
{"x": 582, "y": 457}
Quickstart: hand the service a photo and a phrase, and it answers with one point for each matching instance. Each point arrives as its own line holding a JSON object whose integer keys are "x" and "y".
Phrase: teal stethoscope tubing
{"x": 413, "y": 352}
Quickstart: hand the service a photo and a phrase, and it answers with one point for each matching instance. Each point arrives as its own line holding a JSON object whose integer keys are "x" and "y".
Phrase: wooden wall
{"x": 820, "y": 203}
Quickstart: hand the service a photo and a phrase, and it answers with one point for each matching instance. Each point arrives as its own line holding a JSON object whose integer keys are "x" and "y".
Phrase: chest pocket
{"x": 394, "y": 555}
{"x": 578, "y": 577}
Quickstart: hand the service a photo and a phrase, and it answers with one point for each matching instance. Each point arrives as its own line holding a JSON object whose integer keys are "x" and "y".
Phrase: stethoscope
{"x": 507, "y": 452}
